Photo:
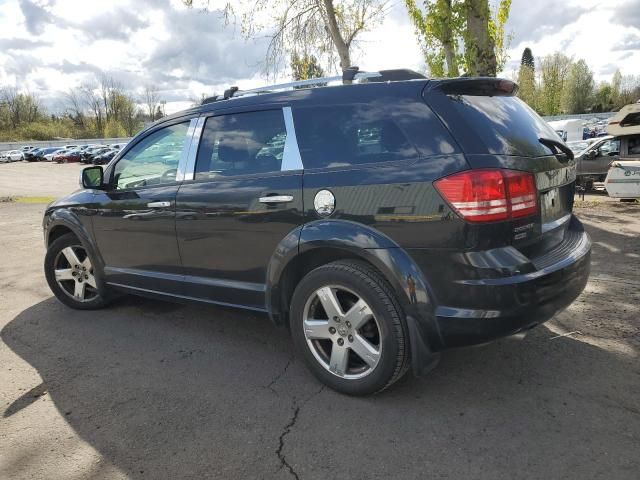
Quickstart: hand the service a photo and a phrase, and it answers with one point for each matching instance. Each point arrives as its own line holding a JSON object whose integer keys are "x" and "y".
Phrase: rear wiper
{"x": 556, "y": 145}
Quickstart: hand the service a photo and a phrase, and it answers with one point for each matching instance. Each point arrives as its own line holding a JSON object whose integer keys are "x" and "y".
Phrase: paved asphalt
{"x": 154, "y": 390}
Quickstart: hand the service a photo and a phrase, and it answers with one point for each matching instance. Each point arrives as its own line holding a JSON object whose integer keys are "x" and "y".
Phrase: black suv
{"x": 382, "y": 222}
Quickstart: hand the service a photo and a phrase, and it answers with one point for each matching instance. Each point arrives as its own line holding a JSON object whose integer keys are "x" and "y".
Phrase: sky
{"x": 49, "y": 46}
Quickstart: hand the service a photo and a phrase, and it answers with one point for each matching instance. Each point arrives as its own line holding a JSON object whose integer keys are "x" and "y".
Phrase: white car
{"x": 12, "y": 156}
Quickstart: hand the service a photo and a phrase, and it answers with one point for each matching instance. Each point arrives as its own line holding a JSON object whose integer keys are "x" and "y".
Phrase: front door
{"x": 134, "y": 224}
{"x": 245, "y": 197}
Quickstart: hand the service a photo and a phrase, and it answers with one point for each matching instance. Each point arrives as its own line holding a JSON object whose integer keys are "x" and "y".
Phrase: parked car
{"x": 117, "y": 146}
{"x": 60, "y": 153}
{"x": 26, "y": 148}
{"x": 104, "y": 157}
{"x": 91, "y": 152}
{"x": 397, "y": 219}
{"x": 48, "y": 153}
{"x": 13, "y": 155}
{"x": 594, "y": 160}
{"x": 41, "y": 153}
{"x": 32, "y": 155}
{"x": 69, "y": 156}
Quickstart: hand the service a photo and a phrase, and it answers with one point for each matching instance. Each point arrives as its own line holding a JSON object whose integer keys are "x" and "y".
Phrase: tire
{"x": 63, "y": 267}
{"x": 376, "y": 327}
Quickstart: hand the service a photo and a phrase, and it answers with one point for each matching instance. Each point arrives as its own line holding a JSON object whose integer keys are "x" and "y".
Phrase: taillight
{"x": 490, "y": 195}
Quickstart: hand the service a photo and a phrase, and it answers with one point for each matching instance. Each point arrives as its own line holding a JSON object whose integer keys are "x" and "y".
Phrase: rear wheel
{"x": 70, "y": 274}
{"x": 349, "y": 328}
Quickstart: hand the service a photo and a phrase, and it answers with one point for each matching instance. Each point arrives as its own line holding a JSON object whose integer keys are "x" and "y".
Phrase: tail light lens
{"x": 490, "y": 195}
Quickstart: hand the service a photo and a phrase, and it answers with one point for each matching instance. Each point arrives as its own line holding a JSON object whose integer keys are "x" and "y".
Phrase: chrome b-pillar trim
{"x": 291, "y": 159}
{"x": 187, "y": 163}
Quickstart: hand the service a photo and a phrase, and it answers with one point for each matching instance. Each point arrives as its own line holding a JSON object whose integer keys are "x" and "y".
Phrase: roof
{"x": 626, "y": 121}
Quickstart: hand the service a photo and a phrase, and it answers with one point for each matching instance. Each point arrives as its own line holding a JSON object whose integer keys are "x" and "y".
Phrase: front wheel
{"x": 70, "y": 274}
{"x": 348, "y": 326}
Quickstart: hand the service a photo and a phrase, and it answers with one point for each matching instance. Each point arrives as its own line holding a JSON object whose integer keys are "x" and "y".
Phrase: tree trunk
{"x": 448, "y": 43}
{"x": 336, "y": 36}
{"x": 480, "y": 47}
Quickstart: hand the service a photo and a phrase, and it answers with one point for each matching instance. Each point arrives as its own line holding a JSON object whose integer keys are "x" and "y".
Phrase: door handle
{"x": 158, "y": 204}
{"x": 276, "y": 199}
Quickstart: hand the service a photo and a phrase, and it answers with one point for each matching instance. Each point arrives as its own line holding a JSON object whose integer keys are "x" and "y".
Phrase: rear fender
{"x": 360, "y": 241}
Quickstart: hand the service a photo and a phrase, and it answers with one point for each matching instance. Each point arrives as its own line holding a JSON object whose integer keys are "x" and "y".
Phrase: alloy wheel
{"x": 342, "y": 332}
{"x": 74, "y": 274}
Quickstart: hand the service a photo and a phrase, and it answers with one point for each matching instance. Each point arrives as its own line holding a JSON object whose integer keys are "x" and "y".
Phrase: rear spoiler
{"x": 480, "y": 86}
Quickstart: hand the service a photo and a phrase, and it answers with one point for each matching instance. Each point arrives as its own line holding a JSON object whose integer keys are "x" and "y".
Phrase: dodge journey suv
{"x": 382, "y": 220}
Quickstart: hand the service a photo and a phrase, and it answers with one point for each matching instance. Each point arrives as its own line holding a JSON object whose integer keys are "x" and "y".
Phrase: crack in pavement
{"x": 279, "y": 376}
{"x": 287, "y": 429}
{"x": 285, "y": 432}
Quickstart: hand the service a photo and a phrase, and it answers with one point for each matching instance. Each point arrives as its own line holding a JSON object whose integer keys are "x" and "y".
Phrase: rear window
{"x": 343, "y": 135}
{"x": 496, "y": 125}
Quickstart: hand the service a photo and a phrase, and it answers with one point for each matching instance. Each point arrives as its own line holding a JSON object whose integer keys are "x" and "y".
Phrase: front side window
{"x": 241, "y": 144}
{"x": 154, "y": 160}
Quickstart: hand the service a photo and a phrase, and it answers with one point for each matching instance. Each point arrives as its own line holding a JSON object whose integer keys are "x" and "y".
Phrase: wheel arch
{"x": 62, "y": 221}
{"x": 321, "y": 242}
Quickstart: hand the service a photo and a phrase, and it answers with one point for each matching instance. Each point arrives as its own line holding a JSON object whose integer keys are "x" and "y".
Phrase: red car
{"x": 67, "y": 156}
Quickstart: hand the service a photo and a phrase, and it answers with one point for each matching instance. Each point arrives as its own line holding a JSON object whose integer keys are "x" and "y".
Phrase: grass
{"x": 27, "y": 199}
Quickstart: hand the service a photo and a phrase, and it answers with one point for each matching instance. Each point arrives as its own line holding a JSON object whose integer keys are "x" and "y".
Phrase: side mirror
{"x": 92, "y": 177}
{"x": 592, "y": 154}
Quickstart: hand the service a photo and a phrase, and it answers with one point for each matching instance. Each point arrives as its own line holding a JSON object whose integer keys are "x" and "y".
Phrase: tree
{"x": 578, "y": 90}
{"x": 603, "y": 98}
{"x": 629, "y": 90}
{"x": 616, "y": 84}
{"x": 151, "y": 100}
{"x": 554, "y": 71}
{"x": 305, "y": 67}
{"x": 527, "y": 90}
{"x": 75, "y": 106}
{"x": 327, "y": 29}
{"x": 444, "y": 26}
{"x": 527, "y": 58}
{"x": 438, "y": 29}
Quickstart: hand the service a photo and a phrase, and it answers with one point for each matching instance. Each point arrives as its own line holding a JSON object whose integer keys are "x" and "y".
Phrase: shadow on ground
{"x": 170, "y": 391}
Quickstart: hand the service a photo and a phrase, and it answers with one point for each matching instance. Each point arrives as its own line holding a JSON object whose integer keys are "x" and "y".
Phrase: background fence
{"x": 61, "y": 143}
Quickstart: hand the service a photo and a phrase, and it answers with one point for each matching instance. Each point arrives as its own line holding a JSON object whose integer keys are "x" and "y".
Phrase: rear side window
{"x": 493, "y": 124}
{"x": 343, "y": 135}
{"x": 241, "y": 144}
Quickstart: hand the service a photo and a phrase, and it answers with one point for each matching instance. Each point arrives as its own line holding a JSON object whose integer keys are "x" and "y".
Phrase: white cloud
{"x": 48, "y": 46}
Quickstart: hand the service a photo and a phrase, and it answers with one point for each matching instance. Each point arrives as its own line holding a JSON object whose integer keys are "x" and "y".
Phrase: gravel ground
{"x": 152, "y": 390}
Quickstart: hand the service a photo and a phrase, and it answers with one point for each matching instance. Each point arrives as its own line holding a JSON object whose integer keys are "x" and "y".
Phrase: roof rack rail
{"x": 350, "y": 74}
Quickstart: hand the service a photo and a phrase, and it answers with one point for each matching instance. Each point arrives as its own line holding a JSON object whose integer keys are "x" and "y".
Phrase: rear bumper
{"x": 485, "y": 309}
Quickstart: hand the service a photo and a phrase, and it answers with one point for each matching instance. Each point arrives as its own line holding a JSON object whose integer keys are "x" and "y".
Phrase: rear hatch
{"x": 496, "y": 130}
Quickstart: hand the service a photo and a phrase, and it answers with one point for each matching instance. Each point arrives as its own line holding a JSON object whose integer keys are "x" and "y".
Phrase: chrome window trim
{"x": 187, "y": 163}
{"x": 291, "y": 159}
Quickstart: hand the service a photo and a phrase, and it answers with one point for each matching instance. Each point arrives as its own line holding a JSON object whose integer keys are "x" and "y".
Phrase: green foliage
{"x": 527, "y": 90}
{"x": 114, "y": 129}
{"x": 461, "y": 33}
{"x": 578, "y": 91}
{"x": 305, "y": 67}
{"x": 554, "y": 73}
{"x": 501, "y": 39}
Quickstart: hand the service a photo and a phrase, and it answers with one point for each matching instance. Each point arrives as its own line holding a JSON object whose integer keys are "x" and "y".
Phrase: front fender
{"x": 358, "y": 240}
{"x": 77, "y": 220}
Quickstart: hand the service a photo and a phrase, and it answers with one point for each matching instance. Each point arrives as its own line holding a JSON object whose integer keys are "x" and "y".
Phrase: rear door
{"x": 243, "y": 199}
